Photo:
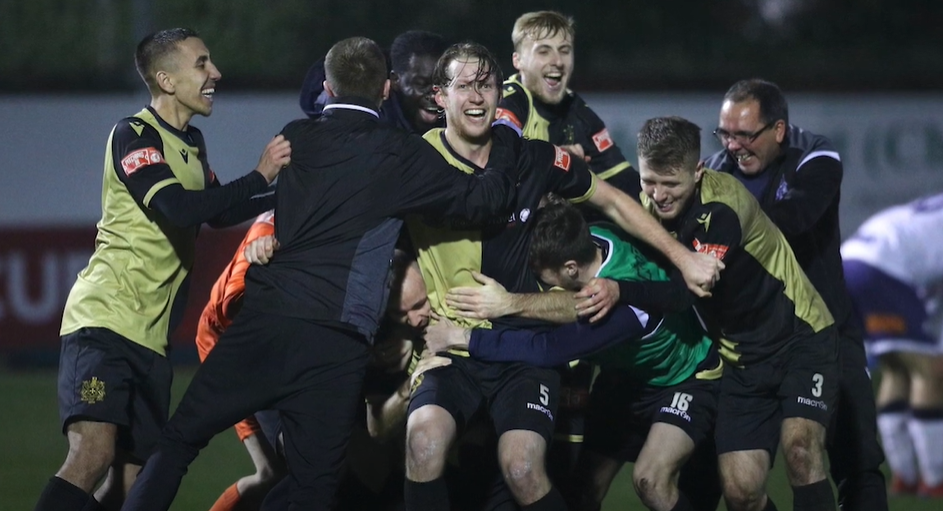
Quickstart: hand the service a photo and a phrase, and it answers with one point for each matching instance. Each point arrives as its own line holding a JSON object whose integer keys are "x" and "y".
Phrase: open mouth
{"x": 475, "y": 113}
{"x": 743, "y": 158}
{"x": 554, "y": 80}
{"x": 208, "y": 92}
{"x": 429, "y": 113}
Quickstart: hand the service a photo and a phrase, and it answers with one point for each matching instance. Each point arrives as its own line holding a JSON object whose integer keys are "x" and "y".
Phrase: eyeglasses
{"x": 742, "y": 137}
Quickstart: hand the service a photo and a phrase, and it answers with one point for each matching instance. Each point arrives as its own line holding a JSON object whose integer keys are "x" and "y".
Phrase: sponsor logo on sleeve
{"x": 562, "y": 159}
{"x": 508, "y": 115}
{"x": 141, "y": 158}
{"x": 718, "y": 251}
{"x": 602, "y": 140}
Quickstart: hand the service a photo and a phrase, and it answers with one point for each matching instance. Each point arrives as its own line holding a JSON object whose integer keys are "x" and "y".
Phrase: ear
{"x": 394, "y": 81}
{"x": 571, "y": 268}
{"x": 439, "y": 100}
{"x": 328, "y": 89}
{"x": 516, "y": 60}
{"x": 165, "y": 82}
{"x": 699, "y": 172}
{"x": 386, "y": 89}
{"x": 780, "y": 131}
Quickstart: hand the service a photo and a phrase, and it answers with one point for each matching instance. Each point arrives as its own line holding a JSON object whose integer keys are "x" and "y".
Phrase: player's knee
{"x": 428, "y": 436}
{"x": 91, "y": 451}
{"x": 522, "y": 463}
{"x": 743, "y": 496}
{"x": 652, "y": 482}
{"x": 803, "y": 449}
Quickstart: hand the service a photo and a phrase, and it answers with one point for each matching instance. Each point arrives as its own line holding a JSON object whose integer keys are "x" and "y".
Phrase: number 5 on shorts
{"x": 544, "y": 395}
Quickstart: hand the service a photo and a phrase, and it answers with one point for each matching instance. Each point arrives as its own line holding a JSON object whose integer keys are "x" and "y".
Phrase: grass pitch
{"x": 32, "y": 449}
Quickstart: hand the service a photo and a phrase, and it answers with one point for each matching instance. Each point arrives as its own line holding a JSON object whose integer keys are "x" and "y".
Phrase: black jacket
{"x": 340, "y": 207}
{"x": 801, "y": 197}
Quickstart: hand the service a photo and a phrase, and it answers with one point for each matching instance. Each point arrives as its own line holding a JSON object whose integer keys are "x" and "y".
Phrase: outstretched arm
{"x": 544, "y": 349}
{"x": 491, "y": 300}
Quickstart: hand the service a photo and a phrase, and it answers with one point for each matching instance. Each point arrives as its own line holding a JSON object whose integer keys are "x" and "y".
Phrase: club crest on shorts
{"x": 93, "y": 391}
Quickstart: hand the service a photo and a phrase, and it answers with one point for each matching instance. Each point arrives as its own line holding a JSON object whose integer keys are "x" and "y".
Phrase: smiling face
{"x": 546, "y": 65}
{"x": 670, "y": 191}
{"x": 751, "y": 141}
{"x": 469, "y": 100}
{"x": 414, "y": 85}
{"x": 191, "y": 77}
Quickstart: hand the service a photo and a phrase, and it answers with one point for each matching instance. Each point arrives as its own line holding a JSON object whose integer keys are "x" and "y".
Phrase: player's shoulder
{"x": 514, "y": 88}
{"x": 515, "y": 103}
{"x": 136, "y": 126}
{"x": 720, "y": 191}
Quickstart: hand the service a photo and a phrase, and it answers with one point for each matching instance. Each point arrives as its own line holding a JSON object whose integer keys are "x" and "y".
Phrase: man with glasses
{"x": 796, "y": 177}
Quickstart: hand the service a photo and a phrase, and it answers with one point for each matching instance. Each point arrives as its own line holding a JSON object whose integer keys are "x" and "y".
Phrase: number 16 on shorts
{"x": 681, "y": 401}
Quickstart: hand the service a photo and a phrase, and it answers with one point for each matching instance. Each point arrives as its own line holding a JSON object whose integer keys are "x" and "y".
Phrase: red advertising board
{"x": 38, "y": 267}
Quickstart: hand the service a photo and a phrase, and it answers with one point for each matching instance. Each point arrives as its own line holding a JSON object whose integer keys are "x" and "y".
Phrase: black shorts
{"x": 517, "y": 396}
{"x": 622, "y": 409}
{"x": 802, "y": 381}
{"x": 104, "y": 377}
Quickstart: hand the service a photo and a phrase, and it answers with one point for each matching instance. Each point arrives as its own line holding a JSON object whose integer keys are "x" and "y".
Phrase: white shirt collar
{"x": 348, "y": 106}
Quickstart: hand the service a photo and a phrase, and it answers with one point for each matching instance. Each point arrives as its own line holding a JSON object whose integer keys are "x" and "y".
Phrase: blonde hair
{"x": 541, "y": 25}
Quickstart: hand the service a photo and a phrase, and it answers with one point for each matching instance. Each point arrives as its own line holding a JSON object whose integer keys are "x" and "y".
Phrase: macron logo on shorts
{"x": 811, "y": 402}
{"x": 540, "y": 408}
{"x": 675, "y": 411}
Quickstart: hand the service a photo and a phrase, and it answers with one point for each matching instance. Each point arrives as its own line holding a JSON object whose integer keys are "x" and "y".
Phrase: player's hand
{"x": 427, "y": 362}
{"x": 577, "y": 150}
{"x": 392, "y": 355}
{"x": 260, "y": 250}
{"x": 443, "y": 335}
{"x": 491, "y": 300}
{"x": 599, "y": 297}
{"x": 275, "y": 157}
{"x": 701, "y": 272}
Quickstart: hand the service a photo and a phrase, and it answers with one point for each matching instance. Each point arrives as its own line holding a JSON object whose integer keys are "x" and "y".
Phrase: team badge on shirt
{"x": 562, "y": 159}
{"x": 141, "y": 158}
{"x": 602, "y": 140}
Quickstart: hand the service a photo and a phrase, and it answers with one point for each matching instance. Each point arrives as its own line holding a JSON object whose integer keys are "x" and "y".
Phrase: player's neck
{"x": 593, "y": 268}
{"x": 475, "y": 151}
{"x": 590, "y": 271}
{"x": 172, "y": 112}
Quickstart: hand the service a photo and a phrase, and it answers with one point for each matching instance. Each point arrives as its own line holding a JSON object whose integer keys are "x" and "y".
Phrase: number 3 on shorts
{"x": 817, "y": 381}
{"x": 544, "y": 395}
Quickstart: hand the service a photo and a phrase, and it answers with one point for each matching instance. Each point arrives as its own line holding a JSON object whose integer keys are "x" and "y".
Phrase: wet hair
{"x": 541, "y": 25}
{"x": 773, "y": 106}
{"x": 670, "y": 144}
{"x": 415, "y": 42}
{"x": 356, "y": 66}
{"x": 154, "y": 49}
{"x": 487, "y": 65}
{"x": 560, "y": 234}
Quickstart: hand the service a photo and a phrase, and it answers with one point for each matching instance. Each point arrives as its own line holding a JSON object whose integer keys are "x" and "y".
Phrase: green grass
{"x": 32, "y": 449}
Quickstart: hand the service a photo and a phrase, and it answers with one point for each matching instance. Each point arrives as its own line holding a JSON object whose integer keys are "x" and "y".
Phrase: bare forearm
{"x": 386, "y": 418}
{"x": 633, "y": 219}
{"x": 552, "y": 306}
